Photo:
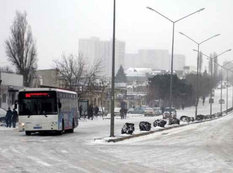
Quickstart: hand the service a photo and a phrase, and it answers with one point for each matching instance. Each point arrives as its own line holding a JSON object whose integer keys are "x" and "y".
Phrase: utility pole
{"x": 113, "y": 73}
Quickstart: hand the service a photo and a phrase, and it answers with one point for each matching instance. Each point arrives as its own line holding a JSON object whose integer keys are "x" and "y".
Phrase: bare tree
{"x": 79, "y": 70}
{"x": 21, "y": 49}
{"x": 104, "y": 84}
{"x": 92, "y": 75}
{"x": 71, "y": 68}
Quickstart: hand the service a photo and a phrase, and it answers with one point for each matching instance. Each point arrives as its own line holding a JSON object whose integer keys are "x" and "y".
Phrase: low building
{"x": 10, "y": 84}
{"x": 48, "y": 78}
{"x": 190, "y": 69}
{"x": 137, "y": 74}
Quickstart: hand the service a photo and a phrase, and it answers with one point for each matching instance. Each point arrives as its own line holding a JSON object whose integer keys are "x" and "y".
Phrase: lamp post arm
{"x": 209, "y": 38}
{"x": 160, "y": 14}
{"x": 188, "y": 37}
{"x": 215, "y": 57}
{"x": 190, "y": 14}
{"x": 224, "y": 52}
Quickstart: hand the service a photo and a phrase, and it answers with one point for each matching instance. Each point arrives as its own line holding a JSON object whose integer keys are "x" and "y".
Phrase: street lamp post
{"x": 113, "y": 73}
{"x": 172, "y": 53}
{"x": 221, "y": 94}
{"x": 227, "y": 83}
{"x": 198, "y": 57}
{"x": 212, "y": 59}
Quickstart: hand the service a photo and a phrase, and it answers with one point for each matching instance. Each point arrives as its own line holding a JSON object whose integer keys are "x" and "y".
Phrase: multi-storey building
{"x": 154, "y": 58}
{"x": 94, "y": 49}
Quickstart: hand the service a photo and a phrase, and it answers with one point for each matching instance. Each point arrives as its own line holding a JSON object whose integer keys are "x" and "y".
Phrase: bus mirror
{"x": 59, "y": 105}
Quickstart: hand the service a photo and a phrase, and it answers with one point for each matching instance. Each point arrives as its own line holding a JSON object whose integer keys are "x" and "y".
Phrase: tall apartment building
{"x": 154, "y": 58}
{"x": 93, "y": 49}
{"x": 179, "y": 62}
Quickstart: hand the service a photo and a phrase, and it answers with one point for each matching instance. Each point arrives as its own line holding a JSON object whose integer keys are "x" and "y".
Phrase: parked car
{"x": 157, "y": 110}
{"x": 149, "y": 111}
{"x": 2, "y": 114}
{"x": 116, "y": 112}
{"x": 166, "y": 113}
{"x": 168, "y": 109}
{"x": 137, "y": 110}
{"x": 130, "y": 110}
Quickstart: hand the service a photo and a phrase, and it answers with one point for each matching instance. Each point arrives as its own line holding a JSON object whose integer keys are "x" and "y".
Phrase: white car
{"x": 149, "y": 111}
{"x": 116, "y": 112}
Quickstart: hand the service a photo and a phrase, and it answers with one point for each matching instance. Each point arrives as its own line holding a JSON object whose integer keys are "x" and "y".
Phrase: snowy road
{"x": 66, "y": 153}
{"x": 205, "y": 147}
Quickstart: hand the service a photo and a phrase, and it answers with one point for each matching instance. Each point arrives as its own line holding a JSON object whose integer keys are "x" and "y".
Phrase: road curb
{"x": 142, "y": 134}
{"x": 159, "y": 130}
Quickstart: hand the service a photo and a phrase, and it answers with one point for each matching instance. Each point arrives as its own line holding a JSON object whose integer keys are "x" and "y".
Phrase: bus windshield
{"x": 37, "y": 103}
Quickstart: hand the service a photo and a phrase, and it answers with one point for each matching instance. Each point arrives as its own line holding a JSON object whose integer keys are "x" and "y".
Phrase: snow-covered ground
{"x": 204, "y": 147}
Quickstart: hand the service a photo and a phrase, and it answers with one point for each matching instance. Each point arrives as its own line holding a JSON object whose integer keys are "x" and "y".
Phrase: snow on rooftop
{"x": 137, "y": 71}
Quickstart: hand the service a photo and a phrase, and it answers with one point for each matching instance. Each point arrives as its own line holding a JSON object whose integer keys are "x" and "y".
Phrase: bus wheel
{"x": 28, "y": 133}
{"x": 71, "y": 130}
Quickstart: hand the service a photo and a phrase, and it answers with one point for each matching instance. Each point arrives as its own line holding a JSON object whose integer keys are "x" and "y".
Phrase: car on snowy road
{"x": 157, "y": 110}
{"x": 137, "y": 110}
{"x": 116, "y": 113}
{"x": 149, "y": 112}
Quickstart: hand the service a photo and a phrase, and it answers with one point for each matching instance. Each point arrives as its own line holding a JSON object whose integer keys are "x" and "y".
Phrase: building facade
{"x": 10, "y": 84}
{"x": 49, "y": 78}
{"x": 93, "y": 49}
{"x": 157, "y": 59}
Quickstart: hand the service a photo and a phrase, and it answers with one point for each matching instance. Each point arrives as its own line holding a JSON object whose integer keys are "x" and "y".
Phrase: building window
{"x": 4, "y": 98}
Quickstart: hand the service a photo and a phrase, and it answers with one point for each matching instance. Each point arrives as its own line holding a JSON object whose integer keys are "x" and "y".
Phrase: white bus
{"x": 47, "y": 109}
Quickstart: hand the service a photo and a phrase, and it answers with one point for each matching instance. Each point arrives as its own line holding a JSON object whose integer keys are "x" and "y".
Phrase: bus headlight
{"x": 21, "y": 124}
{"x": 21, "y": 127}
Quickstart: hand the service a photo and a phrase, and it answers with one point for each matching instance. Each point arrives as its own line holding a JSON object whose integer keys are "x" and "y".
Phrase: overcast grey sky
{"x": 58, "y": 24}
